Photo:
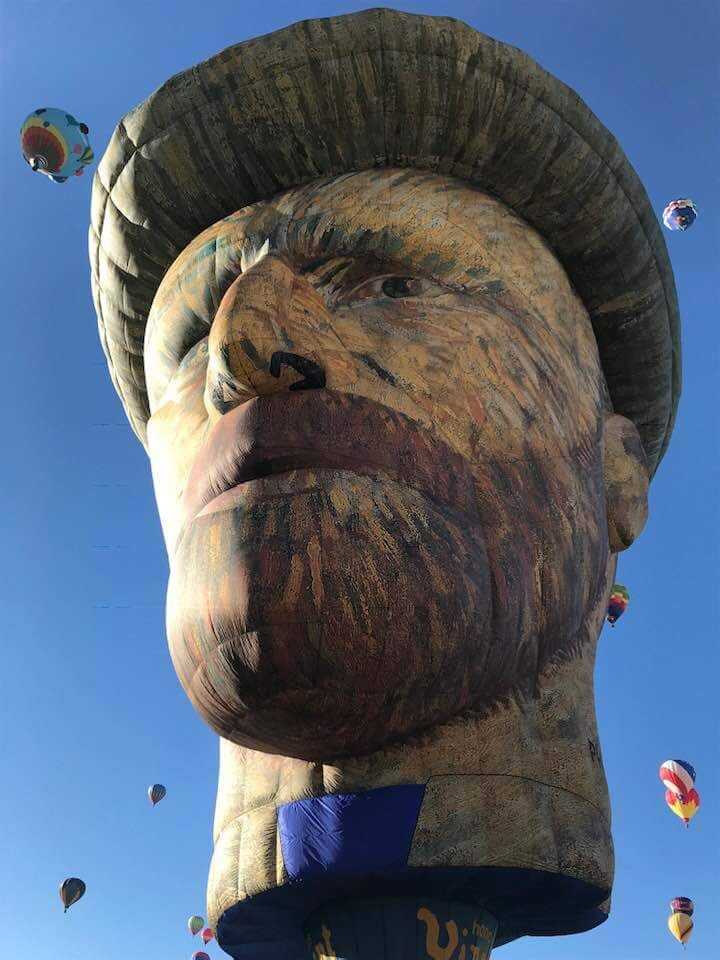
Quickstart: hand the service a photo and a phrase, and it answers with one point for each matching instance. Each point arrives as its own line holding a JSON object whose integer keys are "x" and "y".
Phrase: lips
{"x": 324, "y": 429}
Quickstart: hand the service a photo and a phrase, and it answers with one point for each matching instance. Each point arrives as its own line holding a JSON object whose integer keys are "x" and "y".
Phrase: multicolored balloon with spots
{"x": 53, "y": 142}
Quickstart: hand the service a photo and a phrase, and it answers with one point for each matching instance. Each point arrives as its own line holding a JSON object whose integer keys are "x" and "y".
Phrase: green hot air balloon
{"x": 70, "y": 891}
{"x": 195, "y": 924}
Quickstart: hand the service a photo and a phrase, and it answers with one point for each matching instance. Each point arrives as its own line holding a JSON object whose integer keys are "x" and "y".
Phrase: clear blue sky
{"x": 91, "y": 712}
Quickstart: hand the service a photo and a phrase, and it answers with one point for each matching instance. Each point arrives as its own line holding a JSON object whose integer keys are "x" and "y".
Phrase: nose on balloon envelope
{"x": 313, "y": 374}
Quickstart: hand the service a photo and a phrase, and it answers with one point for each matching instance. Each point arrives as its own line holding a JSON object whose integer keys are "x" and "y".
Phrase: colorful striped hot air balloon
{"x": 207, "y": 935}
{"x": 683, "y": 806}
{"x": 678, "y": 776}
{"x": 680, "y": 926}
{"x": 195, "y": 924}
{"x": 70, "y": 891}
{"x": 680, "y": 214}
{"x": 618, "y": 603}
{"x": 682, "y": 905}
{"x": 156, "y": 792}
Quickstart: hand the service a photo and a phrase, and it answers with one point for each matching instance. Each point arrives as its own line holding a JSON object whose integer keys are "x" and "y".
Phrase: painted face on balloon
{"x": 386, "y": 470}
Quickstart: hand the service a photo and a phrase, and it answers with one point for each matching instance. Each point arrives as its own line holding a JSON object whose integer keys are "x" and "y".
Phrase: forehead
{"x": 440, "y": 224}
{"x": 431, "y": 225}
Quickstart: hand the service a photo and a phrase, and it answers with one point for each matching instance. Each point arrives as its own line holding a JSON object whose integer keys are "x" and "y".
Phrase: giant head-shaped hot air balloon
{"x": 403, "y": 396}
{"x": 53, "y": 142}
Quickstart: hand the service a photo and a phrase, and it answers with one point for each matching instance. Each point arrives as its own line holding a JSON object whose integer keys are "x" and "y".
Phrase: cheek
{"x": 176, "y": 432}
{"x": 402, "y": 355}
{"x": 485, "y": 379}
{"x": 544, "y": 523}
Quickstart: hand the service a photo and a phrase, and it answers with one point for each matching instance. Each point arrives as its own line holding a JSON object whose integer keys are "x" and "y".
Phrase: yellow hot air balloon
{"x": 680, "y": 926}
{"x": 684, "y": 806}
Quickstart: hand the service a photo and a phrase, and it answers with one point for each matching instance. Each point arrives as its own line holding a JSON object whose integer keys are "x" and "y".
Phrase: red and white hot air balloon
{"x": 678, "y": 776}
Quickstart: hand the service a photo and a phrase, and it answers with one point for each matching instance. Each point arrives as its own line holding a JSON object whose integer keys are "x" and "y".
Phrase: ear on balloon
{"x": 626, "y": 479}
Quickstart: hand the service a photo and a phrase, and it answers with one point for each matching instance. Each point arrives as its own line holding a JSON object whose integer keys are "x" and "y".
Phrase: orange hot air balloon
{"x": 685, "y": 805}
{"x": 680, "y": 926}
{"x": 207, "y": 935}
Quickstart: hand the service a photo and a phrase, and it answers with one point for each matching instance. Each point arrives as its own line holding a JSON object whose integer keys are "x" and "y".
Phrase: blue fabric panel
{"x": 349, "y": 833}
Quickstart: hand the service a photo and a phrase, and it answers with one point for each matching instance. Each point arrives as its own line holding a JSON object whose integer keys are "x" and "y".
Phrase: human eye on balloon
{"x": 360, "y": 281}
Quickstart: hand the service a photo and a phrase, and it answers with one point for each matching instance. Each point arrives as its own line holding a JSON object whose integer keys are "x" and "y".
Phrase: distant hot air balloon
{"x": 156, "y": 792}
{"x": 682, "y": 905}
{"x": 617, "y": 604}
{"x": 683, "y": 806}
{"x": 200, "y": 955}
{"x": 195, "y": 924}
{"x": 207, "y": 935}
{"x": 70, "y": 891}
{"x": 680, "y": 926}
{"x": 680, "y": 214}
{"x": 53, "y": 142}
{"x": 678, "y": 776}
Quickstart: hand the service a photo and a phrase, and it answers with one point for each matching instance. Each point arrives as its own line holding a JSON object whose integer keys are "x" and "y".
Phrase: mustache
{"x": 325, "y": 429}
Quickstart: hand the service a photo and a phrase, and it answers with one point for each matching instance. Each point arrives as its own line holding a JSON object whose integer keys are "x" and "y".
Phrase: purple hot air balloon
{"x": 682, "y": 905}
{"x": 200, "y": 955}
